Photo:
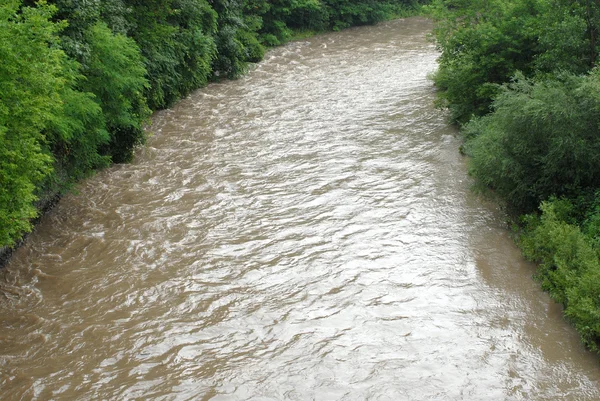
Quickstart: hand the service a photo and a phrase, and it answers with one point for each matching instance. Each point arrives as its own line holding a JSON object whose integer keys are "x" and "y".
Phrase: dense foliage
{"x": 484, "y": 43}
{"x": 79, "y": 79}
{"x": 569, "y": 269}
{"x": 519, "y": 77}
{"x": 543, "y": 139}
{"x": 44, "y": 119}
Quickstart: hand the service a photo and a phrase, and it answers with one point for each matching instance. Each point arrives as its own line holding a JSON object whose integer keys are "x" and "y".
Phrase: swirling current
{"x": 306, "y": 232}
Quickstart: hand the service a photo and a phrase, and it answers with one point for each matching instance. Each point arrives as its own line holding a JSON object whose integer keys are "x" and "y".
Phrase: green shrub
{"x": 115, "y": 74}
{"x": 346, "y": 13}
{"x": 253, "y": 50}
{"x": 176, "y": 40}
{"x": 232, "y": 37}
{"x": 38, "y": 110}
{"x": 483, "y": 44}
{"x": 569, "y": 268}
{"x": 542, "y": 140}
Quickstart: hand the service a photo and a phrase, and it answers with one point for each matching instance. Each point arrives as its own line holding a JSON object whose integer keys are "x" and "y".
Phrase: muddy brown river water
{"x": 304, "y": 233}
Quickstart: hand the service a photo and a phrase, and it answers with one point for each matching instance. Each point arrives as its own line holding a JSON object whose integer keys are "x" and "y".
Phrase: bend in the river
{"x": 304, "y": 233}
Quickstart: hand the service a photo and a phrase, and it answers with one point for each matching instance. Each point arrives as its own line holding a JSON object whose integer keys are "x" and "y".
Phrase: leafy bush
{"x": 542, "y": 139}
{"x": 253, "y": 50}
{"x": 175, "y": 38}
{"x": 40, "y": 111}
{"x": 236, "y": 39}
{"x": 278, "y": 18}
{"x": 569, "y": 268}
{"x": 115, "y": 74}
{"x": 113, "y": 70}
{"x": 483, "y": 44}
{"x": 346, "y": 13}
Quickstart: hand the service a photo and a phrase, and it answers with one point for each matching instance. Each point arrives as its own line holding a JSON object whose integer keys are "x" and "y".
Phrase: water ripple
{"x": 303, "y": 233}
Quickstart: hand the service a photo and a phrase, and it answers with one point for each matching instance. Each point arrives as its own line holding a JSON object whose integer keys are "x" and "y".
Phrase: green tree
{"x": 112, "y": 70}
{"x": 236, "y": 41}
{"x": 175, "y": 38}
{"x": 483, "y": 44}
{"x": 569, "y": 268}
{"x": 37, "y": 107}
{"x": 115, "y": 74}
{"x": 346, "y": 13}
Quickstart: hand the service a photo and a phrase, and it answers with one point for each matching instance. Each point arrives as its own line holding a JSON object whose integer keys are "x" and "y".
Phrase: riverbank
{"x": 304, "y": 232}
{"x": 93, "y": 104}
{"x": 520, "y": 79}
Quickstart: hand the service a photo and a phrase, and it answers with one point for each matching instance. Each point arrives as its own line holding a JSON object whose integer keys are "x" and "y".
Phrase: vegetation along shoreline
{"x": 80, "y": 79}
{"x": 520, "y": 79}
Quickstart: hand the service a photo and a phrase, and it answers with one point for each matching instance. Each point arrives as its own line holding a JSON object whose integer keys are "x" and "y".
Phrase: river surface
{"x": 304, "y": 233}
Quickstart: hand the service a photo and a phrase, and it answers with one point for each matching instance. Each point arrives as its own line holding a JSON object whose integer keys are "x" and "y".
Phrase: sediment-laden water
{"x": 304, "y": 233}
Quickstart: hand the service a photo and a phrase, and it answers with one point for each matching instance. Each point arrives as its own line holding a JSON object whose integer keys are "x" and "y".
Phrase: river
{"x": 306, "y": 232}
